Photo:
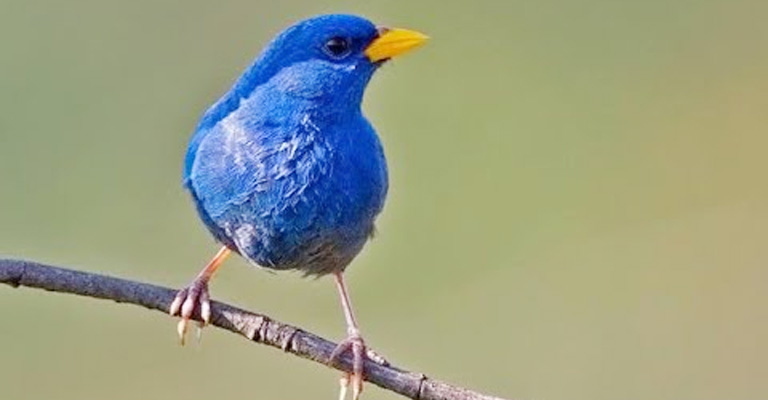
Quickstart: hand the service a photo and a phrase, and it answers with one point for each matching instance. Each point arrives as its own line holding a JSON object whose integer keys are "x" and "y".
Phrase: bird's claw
{"x": 348, "y": 380}
{"x": 359, "y": 353}
{"x": 344, "y": 384}
{"x": 376, "y": 357}
{"x": 194, "y": 296}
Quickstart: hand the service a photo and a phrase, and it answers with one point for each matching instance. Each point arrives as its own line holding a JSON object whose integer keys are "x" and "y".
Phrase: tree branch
{"x": 256, "y": 327}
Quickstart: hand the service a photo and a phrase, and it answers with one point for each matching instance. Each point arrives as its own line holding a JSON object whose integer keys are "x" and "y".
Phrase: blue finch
{"x": 285, "y": 170}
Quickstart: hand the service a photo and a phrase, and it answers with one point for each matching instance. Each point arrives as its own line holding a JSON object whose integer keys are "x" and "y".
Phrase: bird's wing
{"x": 252, "y": 176}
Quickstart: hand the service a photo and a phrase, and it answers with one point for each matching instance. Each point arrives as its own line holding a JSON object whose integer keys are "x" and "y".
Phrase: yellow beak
{"x": 393, "y": 42}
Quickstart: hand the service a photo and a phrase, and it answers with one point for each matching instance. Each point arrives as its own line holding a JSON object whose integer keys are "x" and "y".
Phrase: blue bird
{"x": 286, "y": 171}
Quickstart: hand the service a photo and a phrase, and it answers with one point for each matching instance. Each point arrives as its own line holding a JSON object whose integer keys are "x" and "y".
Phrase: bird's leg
{"x": 353, "y": 341}
{"x": 196, "y": 295}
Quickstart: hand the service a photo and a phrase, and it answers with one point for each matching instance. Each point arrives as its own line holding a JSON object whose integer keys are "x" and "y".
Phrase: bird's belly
{"x": 315, "y": 219}
{"x": 312, "y": 235}
{"x": 315, "y": 256}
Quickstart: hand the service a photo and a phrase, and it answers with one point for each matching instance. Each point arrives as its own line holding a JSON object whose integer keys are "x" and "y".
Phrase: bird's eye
{"x": 337, "y": 47}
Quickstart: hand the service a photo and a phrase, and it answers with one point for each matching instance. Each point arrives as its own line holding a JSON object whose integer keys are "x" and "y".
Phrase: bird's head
{"x": 339, "y": 39}
{"x": 329, "y": 58}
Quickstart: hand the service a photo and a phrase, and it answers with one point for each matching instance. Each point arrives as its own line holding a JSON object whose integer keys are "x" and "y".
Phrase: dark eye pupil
{"x": 337, "y": 46}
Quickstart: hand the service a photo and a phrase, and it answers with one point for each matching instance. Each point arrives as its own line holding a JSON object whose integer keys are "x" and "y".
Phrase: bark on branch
{"x": 258, "y": 328}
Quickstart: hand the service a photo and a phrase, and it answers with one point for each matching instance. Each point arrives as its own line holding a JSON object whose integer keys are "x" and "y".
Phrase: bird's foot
{"x": 360, "y": 352}
{"x": 195, "y": 296}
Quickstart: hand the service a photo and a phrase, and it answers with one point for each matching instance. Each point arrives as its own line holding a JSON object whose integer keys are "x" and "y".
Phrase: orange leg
{"x": 346, "y": 305}
{"x": 196, "y": 294}
{"x": 354, "y": 341}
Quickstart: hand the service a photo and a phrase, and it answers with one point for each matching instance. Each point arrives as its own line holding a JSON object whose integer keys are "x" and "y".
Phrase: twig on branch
{"x": 258, "y": 328}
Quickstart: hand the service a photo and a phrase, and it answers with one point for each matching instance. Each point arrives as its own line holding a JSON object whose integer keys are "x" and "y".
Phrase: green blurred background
{"x": 578, "y": 204}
